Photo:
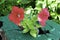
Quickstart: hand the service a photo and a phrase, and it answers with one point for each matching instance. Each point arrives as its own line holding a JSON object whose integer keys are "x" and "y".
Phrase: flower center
{"x": 44, "y": 15}
{"x": 18, "y": 15}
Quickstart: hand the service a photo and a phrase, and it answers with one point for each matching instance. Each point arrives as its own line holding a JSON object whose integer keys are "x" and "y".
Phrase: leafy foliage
{"x": 32, "y": 8}
{"x": 30, "y": 25}
{"x": 53, "y": 5}
{"x": 12, "y": 31}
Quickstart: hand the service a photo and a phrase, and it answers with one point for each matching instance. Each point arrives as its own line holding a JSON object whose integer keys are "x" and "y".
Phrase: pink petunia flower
{"x": 16, "y": 15}
{"x": 43, "y": 16}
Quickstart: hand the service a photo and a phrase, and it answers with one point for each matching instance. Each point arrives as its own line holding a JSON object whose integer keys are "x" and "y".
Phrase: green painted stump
{"x": 12, "y": 31}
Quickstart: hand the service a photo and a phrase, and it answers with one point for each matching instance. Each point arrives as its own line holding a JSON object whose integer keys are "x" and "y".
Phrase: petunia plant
{"x": 29, "y": 21}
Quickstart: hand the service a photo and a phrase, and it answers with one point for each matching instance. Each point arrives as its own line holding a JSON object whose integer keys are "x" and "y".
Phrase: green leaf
{"x": 25, "y": 1}
{"x": 34, "y": 18}
{"x": 29, "y": 24}
{"x": 2, "y": 1}
{"x": 23, "y": 24}
{"x": 38, "y": 25}
{"x": 25, "y": 30}
{"x": 34, "y": 33}
{"x": 53, "y": 24}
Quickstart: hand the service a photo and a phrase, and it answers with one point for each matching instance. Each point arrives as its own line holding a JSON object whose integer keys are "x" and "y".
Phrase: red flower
{"x": 16, "y": 15}
{"x": 43, "y": 16}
